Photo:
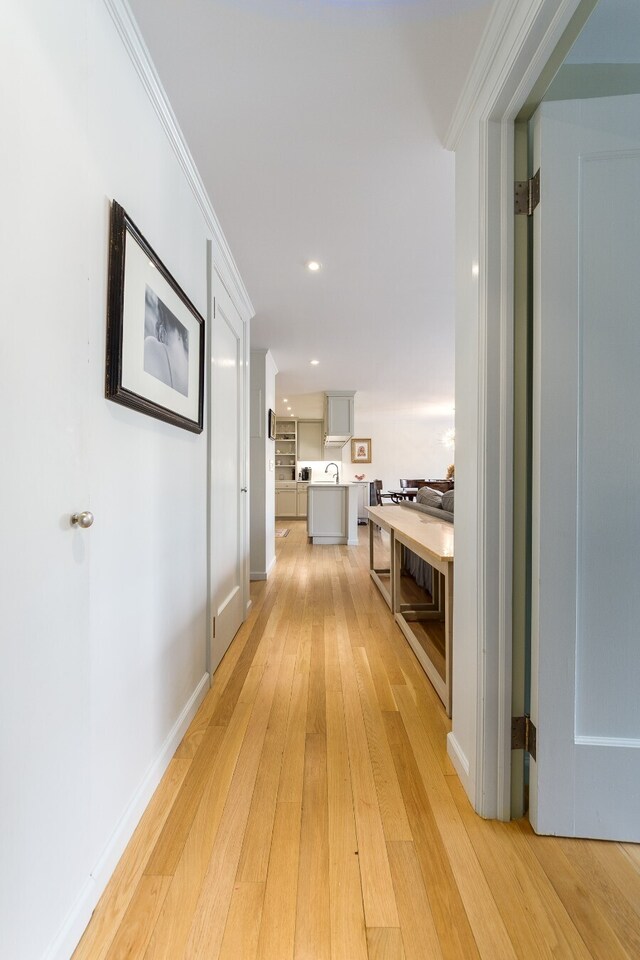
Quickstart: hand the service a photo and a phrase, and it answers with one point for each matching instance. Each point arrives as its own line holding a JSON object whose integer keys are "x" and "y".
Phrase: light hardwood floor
{"x": 311, "y": 811}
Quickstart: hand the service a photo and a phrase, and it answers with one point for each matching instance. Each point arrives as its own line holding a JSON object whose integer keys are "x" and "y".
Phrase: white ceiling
{"x": 317, "y": 127}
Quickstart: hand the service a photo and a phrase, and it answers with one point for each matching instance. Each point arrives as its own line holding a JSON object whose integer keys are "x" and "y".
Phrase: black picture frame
{"x": 272, "y": 425}
{"x": 155, "y": 335}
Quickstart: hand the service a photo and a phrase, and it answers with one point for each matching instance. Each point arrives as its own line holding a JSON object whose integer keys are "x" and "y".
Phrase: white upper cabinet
{"x": 338, "y": 416}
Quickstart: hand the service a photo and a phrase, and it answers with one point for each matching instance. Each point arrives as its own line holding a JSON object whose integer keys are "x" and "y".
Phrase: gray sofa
{"x": 427, "y": 501}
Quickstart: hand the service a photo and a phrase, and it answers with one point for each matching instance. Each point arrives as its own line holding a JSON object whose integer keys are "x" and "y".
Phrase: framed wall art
{"x": 272, "y": 425}
{"x": 155, "y": 335}
{"x": 361, "y": 450}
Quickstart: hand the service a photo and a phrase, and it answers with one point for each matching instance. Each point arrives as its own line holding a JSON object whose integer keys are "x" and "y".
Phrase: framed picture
{"x": 361, "y": 450}
{"x": 155, "y": 335}
{"x": 272, "y": 425}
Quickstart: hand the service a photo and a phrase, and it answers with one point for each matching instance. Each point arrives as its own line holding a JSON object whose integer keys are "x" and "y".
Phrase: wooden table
{"x": 432, "y": 540}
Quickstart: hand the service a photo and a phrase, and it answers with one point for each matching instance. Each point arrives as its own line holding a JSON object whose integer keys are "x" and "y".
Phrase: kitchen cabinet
{"x": 302, "y": 500}
{"x": 286, "y": 500}
{"x": 338, "y": 416}
{"x": 332, "y": 516}
{"x": 310, "y": 440}
{"x": 286, "y": 436}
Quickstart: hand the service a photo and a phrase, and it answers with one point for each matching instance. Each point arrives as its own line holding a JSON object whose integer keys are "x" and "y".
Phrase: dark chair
{"x": 412, "y": 483}
{"x": 377, "y": 487}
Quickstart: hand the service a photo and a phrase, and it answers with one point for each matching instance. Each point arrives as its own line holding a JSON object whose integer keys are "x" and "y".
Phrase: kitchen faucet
{"x": 326, "y": 470}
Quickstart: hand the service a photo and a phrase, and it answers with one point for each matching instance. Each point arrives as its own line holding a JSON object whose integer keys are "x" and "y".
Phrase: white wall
{"x": 262, "y": 462}
{"x": 406, "y": 441}
{"x": 79, "y": 130}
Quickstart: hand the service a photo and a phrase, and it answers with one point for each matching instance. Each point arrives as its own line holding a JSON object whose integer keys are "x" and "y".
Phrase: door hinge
{"x": 523, "y": 735}
{"x": 527, "y": 195}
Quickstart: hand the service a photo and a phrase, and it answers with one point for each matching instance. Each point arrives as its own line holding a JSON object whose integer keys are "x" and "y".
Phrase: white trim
{"x": 141, "y": 58}
{"x": 78, "y": 917}
{"x": 619, "y": 742}
{"x": 519, "y": 38}
{"x": 263, "y": 574}
{"x": 459, "y": 760}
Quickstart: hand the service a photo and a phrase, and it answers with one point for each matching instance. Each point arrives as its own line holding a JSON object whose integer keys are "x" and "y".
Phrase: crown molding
{"x": 141, "y": 58}
{"x": 515, "y": 29}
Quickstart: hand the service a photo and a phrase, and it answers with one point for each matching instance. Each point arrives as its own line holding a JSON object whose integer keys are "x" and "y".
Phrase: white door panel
{"x": 228, "y": 472}
{"x": 586, "y": 470}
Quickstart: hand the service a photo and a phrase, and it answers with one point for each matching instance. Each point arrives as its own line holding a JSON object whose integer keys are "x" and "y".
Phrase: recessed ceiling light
{"x": 288, "y": 408}
{"x": 314, "y": 363}
{"x": 284, "y": 400}
{"x": 313, "y": 265}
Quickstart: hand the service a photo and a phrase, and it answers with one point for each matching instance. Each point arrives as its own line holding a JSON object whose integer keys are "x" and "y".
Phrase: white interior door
{"x": 586, "y": 470}
{"x": 229, "y": 497}
{"x": 44, "y": 560}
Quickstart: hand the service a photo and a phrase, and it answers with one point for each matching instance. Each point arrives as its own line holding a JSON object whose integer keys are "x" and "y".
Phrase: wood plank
{"x": 485, "y": 920}
{"x": 137, "y": 925}
{"x": 240, "y": 941}
{"x": 227, "y": 703}
{"x": 589, "y": 920}
{"x": 292, "y": 769}
{"x": 172, "y": 929}
{"x": 613, "y": 890}
{"x": 392, "y": 810}
{"x": 419, "y": 934}
{"x": 170, "y": 844}
{"x": 313, "y": 926}
{"x": 278, "y": 922}
{"x": 120, "y": 890}
{"x": 538, "y": 925}
{"x": 377, "y": 887}
{"x": 254, "y": 858}
{"x": 348, "y": 932}
{"x": 452, "y": 923}
{"x": 209, "y": 918}
{"x": 385, "y": 943}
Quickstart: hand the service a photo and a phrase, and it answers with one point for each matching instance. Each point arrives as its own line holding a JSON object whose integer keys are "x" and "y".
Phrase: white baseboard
{"x": 461, "y": 763}
{"x": 263, "y": 574}
{"x": 78, "y": 917}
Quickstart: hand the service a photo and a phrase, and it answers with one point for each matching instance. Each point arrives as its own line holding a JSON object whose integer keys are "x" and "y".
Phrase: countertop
{"x": 323, "y": 483}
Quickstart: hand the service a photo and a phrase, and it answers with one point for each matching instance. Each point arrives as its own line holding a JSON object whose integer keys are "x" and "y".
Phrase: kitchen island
{"x": 332, "y": 513}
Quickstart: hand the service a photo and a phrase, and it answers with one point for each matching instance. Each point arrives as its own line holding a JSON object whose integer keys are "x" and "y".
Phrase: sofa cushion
{"x": 436, "y": 512}
{"x": 429, "y": 497}
{"x": 447, "y": 501}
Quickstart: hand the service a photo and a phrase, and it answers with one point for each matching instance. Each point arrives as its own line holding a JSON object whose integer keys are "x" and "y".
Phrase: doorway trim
{"x": 523, "y": 45}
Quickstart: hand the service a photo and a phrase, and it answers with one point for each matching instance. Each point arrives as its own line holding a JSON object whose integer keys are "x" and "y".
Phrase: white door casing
{"x": 228, "y": 472}
{"x": 586, "y": 470}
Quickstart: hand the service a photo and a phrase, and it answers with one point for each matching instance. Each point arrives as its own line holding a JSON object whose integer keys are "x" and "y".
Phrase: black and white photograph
{"x": 166, "y": 344}
{"x": 155, "y": 335}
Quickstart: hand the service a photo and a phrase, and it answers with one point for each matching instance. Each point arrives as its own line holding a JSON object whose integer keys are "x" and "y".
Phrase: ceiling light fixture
{"x": 313, "y": 265}
{"x": 314, "y": 363}
{"x": 285, "y": 400}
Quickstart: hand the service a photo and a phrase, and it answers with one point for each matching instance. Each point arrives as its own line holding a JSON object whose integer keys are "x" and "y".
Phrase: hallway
{"x": 311, "y": 811}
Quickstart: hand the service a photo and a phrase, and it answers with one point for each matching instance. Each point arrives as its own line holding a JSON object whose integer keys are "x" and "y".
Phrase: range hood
{"x": 336, "y": 441}
{"x": 338, "y": 417}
